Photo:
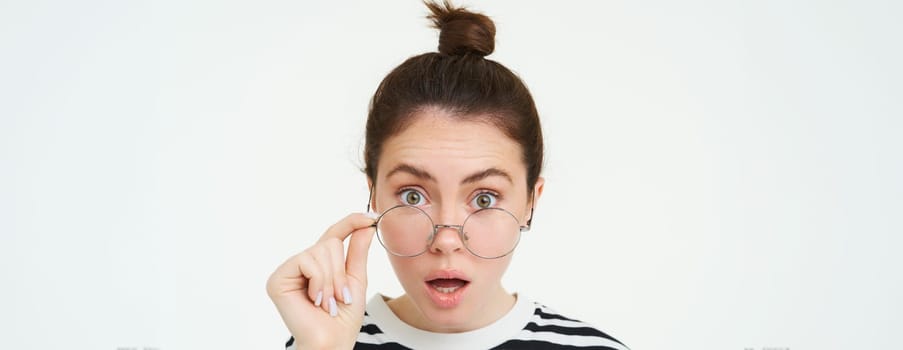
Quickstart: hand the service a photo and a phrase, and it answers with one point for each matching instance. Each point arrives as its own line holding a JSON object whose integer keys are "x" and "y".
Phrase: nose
{"x": 447, "y": 239}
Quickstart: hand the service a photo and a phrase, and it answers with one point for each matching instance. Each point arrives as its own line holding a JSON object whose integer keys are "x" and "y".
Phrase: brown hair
{"x": 457, "y": 79}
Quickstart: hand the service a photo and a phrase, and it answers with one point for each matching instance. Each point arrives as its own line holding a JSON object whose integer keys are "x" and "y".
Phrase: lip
{"x": 446, "y": 300}
{"x": 446, "y": 274}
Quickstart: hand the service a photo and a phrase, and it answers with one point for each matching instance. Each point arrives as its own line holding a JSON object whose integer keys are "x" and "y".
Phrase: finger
{"x": 314, "y": 273}
{"x": 358, "y": 248}
{"x": 346, "y": 226}
{"x": 321, "y": 255}
{"x": 337, "y": 256}
{"x": 298, "y": 273}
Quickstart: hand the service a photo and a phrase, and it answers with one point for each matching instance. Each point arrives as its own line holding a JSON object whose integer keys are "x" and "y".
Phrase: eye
{"x": 411, "y": 197}
{"x": 485, "y": 200}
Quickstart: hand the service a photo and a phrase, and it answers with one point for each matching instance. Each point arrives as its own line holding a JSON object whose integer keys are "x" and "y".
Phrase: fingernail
{"x": 319, "y": 298}
{"x": 333, "y": 308}
{"x": 346, "y": 294}
{"x": 372, "y": 215}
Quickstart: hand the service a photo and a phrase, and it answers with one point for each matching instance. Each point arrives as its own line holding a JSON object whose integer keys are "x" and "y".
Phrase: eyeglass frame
{"x": 458, "y": 228}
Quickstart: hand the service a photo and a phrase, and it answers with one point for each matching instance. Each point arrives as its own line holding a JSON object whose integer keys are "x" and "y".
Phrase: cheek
{"x": 498, "y": 267}
{"x": 405, "y": 268}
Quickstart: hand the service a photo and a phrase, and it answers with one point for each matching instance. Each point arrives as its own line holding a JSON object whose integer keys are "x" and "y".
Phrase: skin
{"x": 435, "y": 154}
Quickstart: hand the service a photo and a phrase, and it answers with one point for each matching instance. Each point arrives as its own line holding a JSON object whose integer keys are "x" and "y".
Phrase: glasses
{"x": 488, "y": 233}
{"x": 408, "y": 231}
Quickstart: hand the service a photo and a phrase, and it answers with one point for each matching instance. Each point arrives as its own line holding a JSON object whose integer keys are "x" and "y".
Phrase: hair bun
{"x": 461, "y": 31}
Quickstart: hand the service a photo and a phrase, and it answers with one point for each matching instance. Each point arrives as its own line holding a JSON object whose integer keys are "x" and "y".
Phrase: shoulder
{"x": 533, "y": 326}
{"x": 549, "y": 329}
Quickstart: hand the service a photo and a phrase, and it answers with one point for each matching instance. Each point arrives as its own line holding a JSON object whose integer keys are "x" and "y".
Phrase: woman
{"x": 453, "y": 158}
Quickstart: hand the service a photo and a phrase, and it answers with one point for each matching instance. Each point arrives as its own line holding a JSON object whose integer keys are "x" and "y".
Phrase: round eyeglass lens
{"x": 404, "y": 231}
{"x": 491, "y": 233}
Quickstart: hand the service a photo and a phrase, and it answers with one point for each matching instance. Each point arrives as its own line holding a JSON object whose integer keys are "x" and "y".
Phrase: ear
{"x": 534, "y": 198}
{"x": 537, "y": 190}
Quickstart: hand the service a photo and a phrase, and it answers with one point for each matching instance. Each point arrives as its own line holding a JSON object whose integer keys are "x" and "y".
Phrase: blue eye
{"x": 411, "y": 197}
{"x": 484, "y": 200}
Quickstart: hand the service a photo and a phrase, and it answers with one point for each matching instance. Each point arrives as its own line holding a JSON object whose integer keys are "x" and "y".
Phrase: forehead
{"x": 450, "y": 146}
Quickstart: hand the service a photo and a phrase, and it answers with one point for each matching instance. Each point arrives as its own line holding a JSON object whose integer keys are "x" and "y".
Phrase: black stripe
{"x": 548, "y": 316}
{"x": 291, "y": 340}
{"x": 585, "y": 331}
{"x": 371, "y": 329}
{"x": 386, "y": 346}
{"x": 544, "y": 345}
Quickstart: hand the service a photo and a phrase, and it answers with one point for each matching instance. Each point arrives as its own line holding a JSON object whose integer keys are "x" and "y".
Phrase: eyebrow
{"x": 425, "y": 175}
{"x": 486, "y": 173}
{"x": 410, "y": 169}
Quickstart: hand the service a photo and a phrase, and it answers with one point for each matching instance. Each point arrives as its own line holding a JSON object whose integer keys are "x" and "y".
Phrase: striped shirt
{"x": 529, "y": 325}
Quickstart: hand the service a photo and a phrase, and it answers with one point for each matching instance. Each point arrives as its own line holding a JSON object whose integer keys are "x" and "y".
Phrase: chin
{"x": 447, "y": 313}
{"x": 449, "y": 320}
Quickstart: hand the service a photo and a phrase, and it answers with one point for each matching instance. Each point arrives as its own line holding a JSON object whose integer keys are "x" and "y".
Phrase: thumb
{"x": 358, "y": 248}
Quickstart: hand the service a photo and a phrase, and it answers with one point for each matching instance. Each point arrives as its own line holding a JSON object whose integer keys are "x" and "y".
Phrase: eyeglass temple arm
{"x": 530, "y": 220}
{"x": 369, "y": 199}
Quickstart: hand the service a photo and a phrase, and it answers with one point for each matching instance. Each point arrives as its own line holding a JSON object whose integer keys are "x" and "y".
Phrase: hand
{"x": 320, "y": 293}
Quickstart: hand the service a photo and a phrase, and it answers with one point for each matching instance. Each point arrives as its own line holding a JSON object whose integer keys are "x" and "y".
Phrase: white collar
{"x": 496, "y": 333}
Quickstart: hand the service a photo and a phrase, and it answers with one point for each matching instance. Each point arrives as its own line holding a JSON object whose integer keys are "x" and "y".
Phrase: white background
{"x": 720, "y": 174}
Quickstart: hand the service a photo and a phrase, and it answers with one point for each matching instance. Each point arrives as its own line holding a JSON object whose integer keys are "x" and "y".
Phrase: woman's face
{"x": 451, "y": 168}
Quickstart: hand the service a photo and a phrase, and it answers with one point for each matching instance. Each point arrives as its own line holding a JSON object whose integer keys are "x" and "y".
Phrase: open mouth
{"x": 447, "y": 285}
{"x": 446, "y": 288}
